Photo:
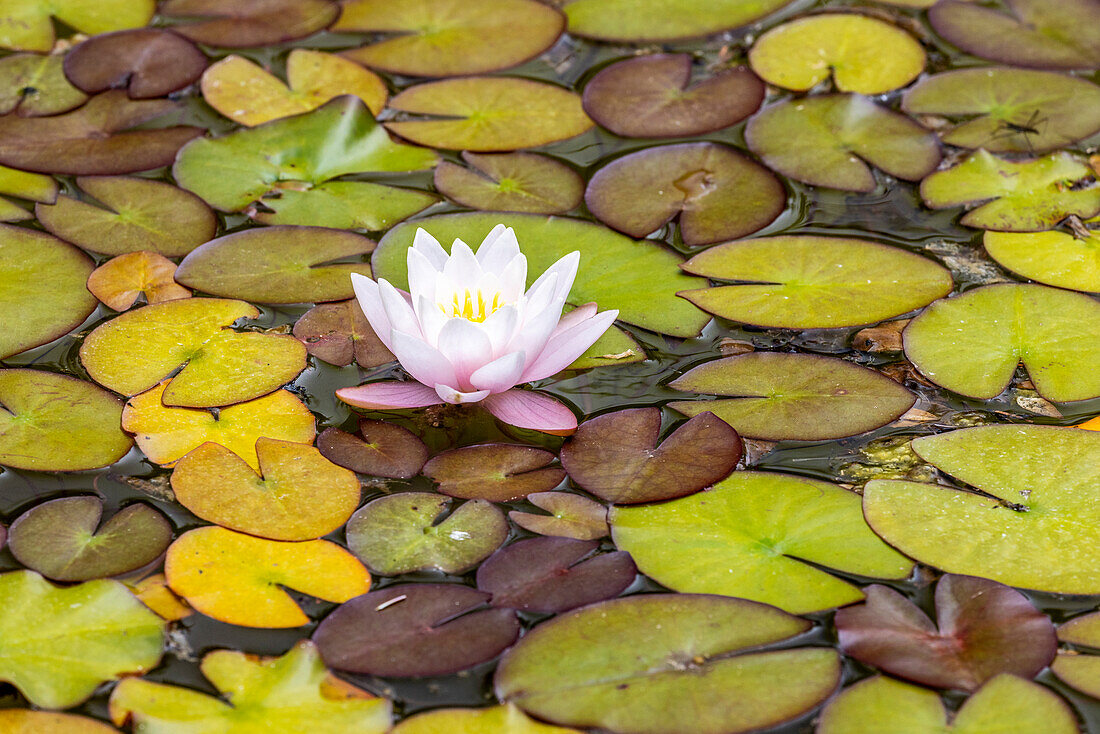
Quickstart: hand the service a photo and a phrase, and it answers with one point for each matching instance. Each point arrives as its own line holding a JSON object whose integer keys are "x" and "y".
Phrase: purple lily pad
{"x": 249, "y": 23}
{"x": 385, "y": 450}
{"x": 498, "y": 472}
{"x": 339, "y": 333}
{"x": 146, "y": 62}
{"x": 571, "y": 516}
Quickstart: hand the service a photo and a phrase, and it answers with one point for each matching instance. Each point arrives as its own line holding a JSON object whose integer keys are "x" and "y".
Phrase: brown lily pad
{"x": 385, "y": 450}
{"x": 497, "y": 472}
{"x": 249, "y": 23}
{"x": 570, "y": 516}
{"x": 339, "y": 333}
{"x": 511, "y": 182}
{"x": 147, "y": 62}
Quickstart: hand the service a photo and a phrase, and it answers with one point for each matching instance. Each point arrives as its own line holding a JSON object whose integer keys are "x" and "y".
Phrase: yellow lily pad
{"x": 506, "y": 719}
{"x": 119, "y": 281}
{"x": 27, "y": 24}
{"x": 25, "y": 721}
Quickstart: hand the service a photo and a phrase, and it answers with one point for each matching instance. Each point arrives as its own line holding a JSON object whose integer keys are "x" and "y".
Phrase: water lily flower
{"x": 467, "y": 332}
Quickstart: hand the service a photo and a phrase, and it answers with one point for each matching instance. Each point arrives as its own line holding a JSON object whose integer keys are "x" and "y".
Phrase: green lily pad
{"x": 385, "y": 449}
{"x": 570, "y": 516}
{"x": 339, "y": 333}
{"x": 489, "y": 113}
{"x": 448, "y": 37}
{"x": 277, "y": 265}
{"x": 42, "y": 293}
{"x": 249, "y": 23}
{"x": 861, "y": 54}
{"x": 1054, "y": 258}
{"x": 402, "y": 533}
{"x": 505, "y": 719}
{"x": 1054, "y": 333}
{"x": 130, "y": 214}
{"x": 51, "y": 422}
{"x": 27, "y": 185}
{"x": 1023, "y": 196}
{"x": 26, "y": 24}
{"x": 717, "y": 193}
{"x": 615, "y": 346}
{"x": 638, "y": 278}
{"x": 808, "y": 282}
{"x": 1080, "y": 668}
{"x": 659, "y": 663}
{"x": 511, "y": 182}
{"x": 26, "y": 721}
{"x": 81, "y": 636}
{"x": 32, "y": 85}
{"x": 136, "y": 350}
{"x": 829, "y": 140}
{"x": 644, "y": 21}
{"x": 748, "y": 537}
{"x": 1007, "y": 110}
{"x": 147, "y": 62}
{"x": 799, "y": 397}
{"x": 12, "y": 212}
{"x": 342, "y": 205}
{"x": 497, "y": 472}
{"x": 1040, "y": 485}
{"x": 1044, "y": 34}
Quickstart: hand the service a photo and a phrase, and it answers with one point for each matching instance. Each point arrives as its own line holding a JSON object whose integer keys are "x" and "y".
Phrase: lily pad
{"x": 136, "y": 350}
{"x": 717, "y": 193}
{"x": 653, "y": 97}
{"x": 81, "y": 636}
{"x": 616, "y": 456}
{"x": 32, "y": 85}
{"x": 130, "y": 215}
{"x": 63, "y": 539}
{"x": 339, "y": 333}
{"x": 489, "y": 113}
{"x": 343, "y": 205}
{"x": 571, "y": 516}
{"x": 277, "y": 265}
{"x": 1080, "y": 668}
{"x": 631, "y": 21}
{"x": 638, "y": 278}
{"x": 448, "y": 37}
{"x": 1040, "y": 488}
{"x": 25, "y": 721}
{"x": 27, "y": 185}
{"x": 148, "y": 62}
{"x": 1010, "y": 196}
{"x": 511, "y": 182}
{"x": 862, "y": 54}
{"x": 166, "y": 434}
{"x": 1054, "y": 258}
{"x": 51, "y": 422}
{"x": 749, "y": 536}
{"x": 829, "y": 140}
{"x": 242, "y": 580}
{"x": 498, "y": 472}
{"x": 297, "y": 495}
{"x": 801, "y": 397}
{"x": 385, "y": 450}
{"x": 983, "y": 629}
{"x": 660, "y": 663}
{"x": 246, "y": 93}
{"x": 154, "y": 593}
{"x": 615, "y": 346}
{"x": 401, "y": 533}
{"x": 119, "y": 281}
{"x": 96, "y": 138}
{"x": 493, "y": 720}
{"x": 1054, "y": 333}
{"x": 26, "y": 24}
{"x": 294, "y": 692}
{"x": 809, "y": 282}
{"x": 42, "y": 293}
{"x": 1044, "y": 34}
{"x": 415, "y": 630}
{"x": 249, "y": 23}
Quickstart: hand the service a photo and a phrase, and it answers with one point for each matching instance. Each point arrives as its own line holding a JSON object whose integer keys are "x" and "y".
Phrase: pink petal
{"x": 563, "y": 349}
{"x": 422, "y": 276}
{"x": 466, "y": 346}
{"x": 421, "y": 360}
{"x": 457, "y": 397}
{"x": 581, "y": 313}
{"x": 430, "y": 248}
{"x": 370, "y": 301}
{"x": 399, "y": 309}
{"x": 389, "y": 395}
{"x": 500, "y": 374}
{"x": 527, "y": 409}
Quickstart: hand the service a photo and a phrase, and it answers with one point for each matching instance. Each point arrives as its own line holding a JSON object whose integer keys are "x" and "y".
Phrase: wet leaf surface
{"x": 511, "y": 182}
{"x": 385, "y": 449}
{"x": 1053, "y": 258}
{"x": 32, "y": 85}
{"x": 505, "y": 719}
{"x": 570, "y": 516}
{"x": 24, "y": 721}
{"x": 147, "y": 63}
{"x": 662, "y": 20}
{"x": 496, "y": 472}
{"x": 119, "y": 282}
{"x": 26, "y": 24}
{"x": 339, "y": 333}
{"x": 1080, "y": 668}
{"x": 249, "y": 23}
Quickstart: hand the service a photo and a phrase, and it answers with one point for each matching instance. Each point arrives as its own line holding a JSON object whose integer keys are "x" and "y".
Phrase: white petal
{"x": 500, "y": 374}
{"x": 425, "y": 363}
{"x": 500, "y": 327}
{"x": 398, "y": 309}
{"x": 429, "y": 246}
{"x": 370, "y": 301}
{"x": 462, "y": 269}
{"x": 563, "y": 349}
{"x": 422, "y": 276}
{"x": 431, "y": 320}
{"x": 466, "y": 347}
{"x": 566, "y": 270}
{"x": 457, "y": 397}
{"x": 513, "y": 278}
{"x": 498, "y": 248}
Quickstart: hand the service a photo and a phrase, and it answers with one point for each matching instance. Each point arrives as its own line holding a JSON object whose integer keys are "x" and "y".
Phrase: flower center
{"x": 471, "y": 306}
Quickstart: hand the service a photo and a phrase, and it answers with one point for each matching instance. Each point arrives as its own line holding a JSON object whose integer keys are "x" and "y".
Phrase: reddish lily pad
{"x": 119, "y": 281}
{"x": 571, "y": 516}
{"x": 27, "y": 24}
{"x": 631, "y": 21}
{"x": 617, "y": 457}
{"x": 385, "y": 450}
{"x": 717, "y": 193}
{"x": 984, "y": 629}
{"x": 415, "y": 630}
{"x": 551, "y": 575}
{"x": 249, "y": 23}
{"x": 498, "y": 472}
{"x": 148, "y": 62}
{"x": 32, "y": 85}
{"x": 1080, "y": 668}
{"x": 511, "y": 182}
{"x": 339, "y": 333}
{"x": 653, "y": 97}
{"x": 63, "y": 539}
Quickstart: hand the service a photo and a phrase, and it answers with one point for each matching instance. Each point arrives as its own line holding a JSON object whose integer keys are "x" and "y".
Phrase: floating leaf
{"x": 148, "y": 62}
{"x": 401, "y": 533}
{"x": 339, "y": 333}
{"x": 249, "y": 23}
{"x": 1054, "y": 333}
{"x": 1081, "y": 671}
{"x": 294, "y": 692}
{"x": 51, "y": 422}
{"x": 27, "y": 185}
{"x": 489, "y": 113}
{"x": 63, "y": 539}
{"x": 246, "y": 93}
{"x": 983, "y": 629}
{"x": 615, "y": 346}
{"x": 57, "y": 645}
{"x": 571, "y": 516}
{"x": 829, "y": 140}
{"x": 800, "y": 397}
{"x": 415, "y": 630}
{"x": 638, "y": 278}
{"x": 653, "y": 97}
{"x": 343, "y": 205}
{"x": 32, "y": 85}
{"x": 748, "y": 537}
{"x": 448, "y": 37}
{"x": 631, "y": 21}
{"x": 861, "y": 54}
{"x": 26, "y": 24}
{"x": 42, "y": 293}
{"x": 154, "y": 593}
{"x": 135, "y": 350}
{"x": 498, "y": 472}
{"x": 242, "y": 580}
{"x": 660, "y": 663}
{"x": 166, "y": 434}
{"x": 511, "y": 182}
{"x": 1040, "y": 488}
{"x": 96, "y": 138}
{"x": 505, "y": 719}
{"x": 385, "y": 450}
{"x": 717, "y": 193}
{"x": 1018, "y": 197}
{"x": 25, "y": 721}
{"x": 1053, "y": 258}
{"x": 616, "y": 456}
{"x": 119, "y": 281}
{"x": 809, "y": 282}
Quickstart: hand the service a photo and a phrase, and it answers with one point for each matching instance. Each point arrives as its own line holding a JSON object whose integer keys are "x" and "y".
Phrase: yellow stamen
{"x": 471, "y": 306}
